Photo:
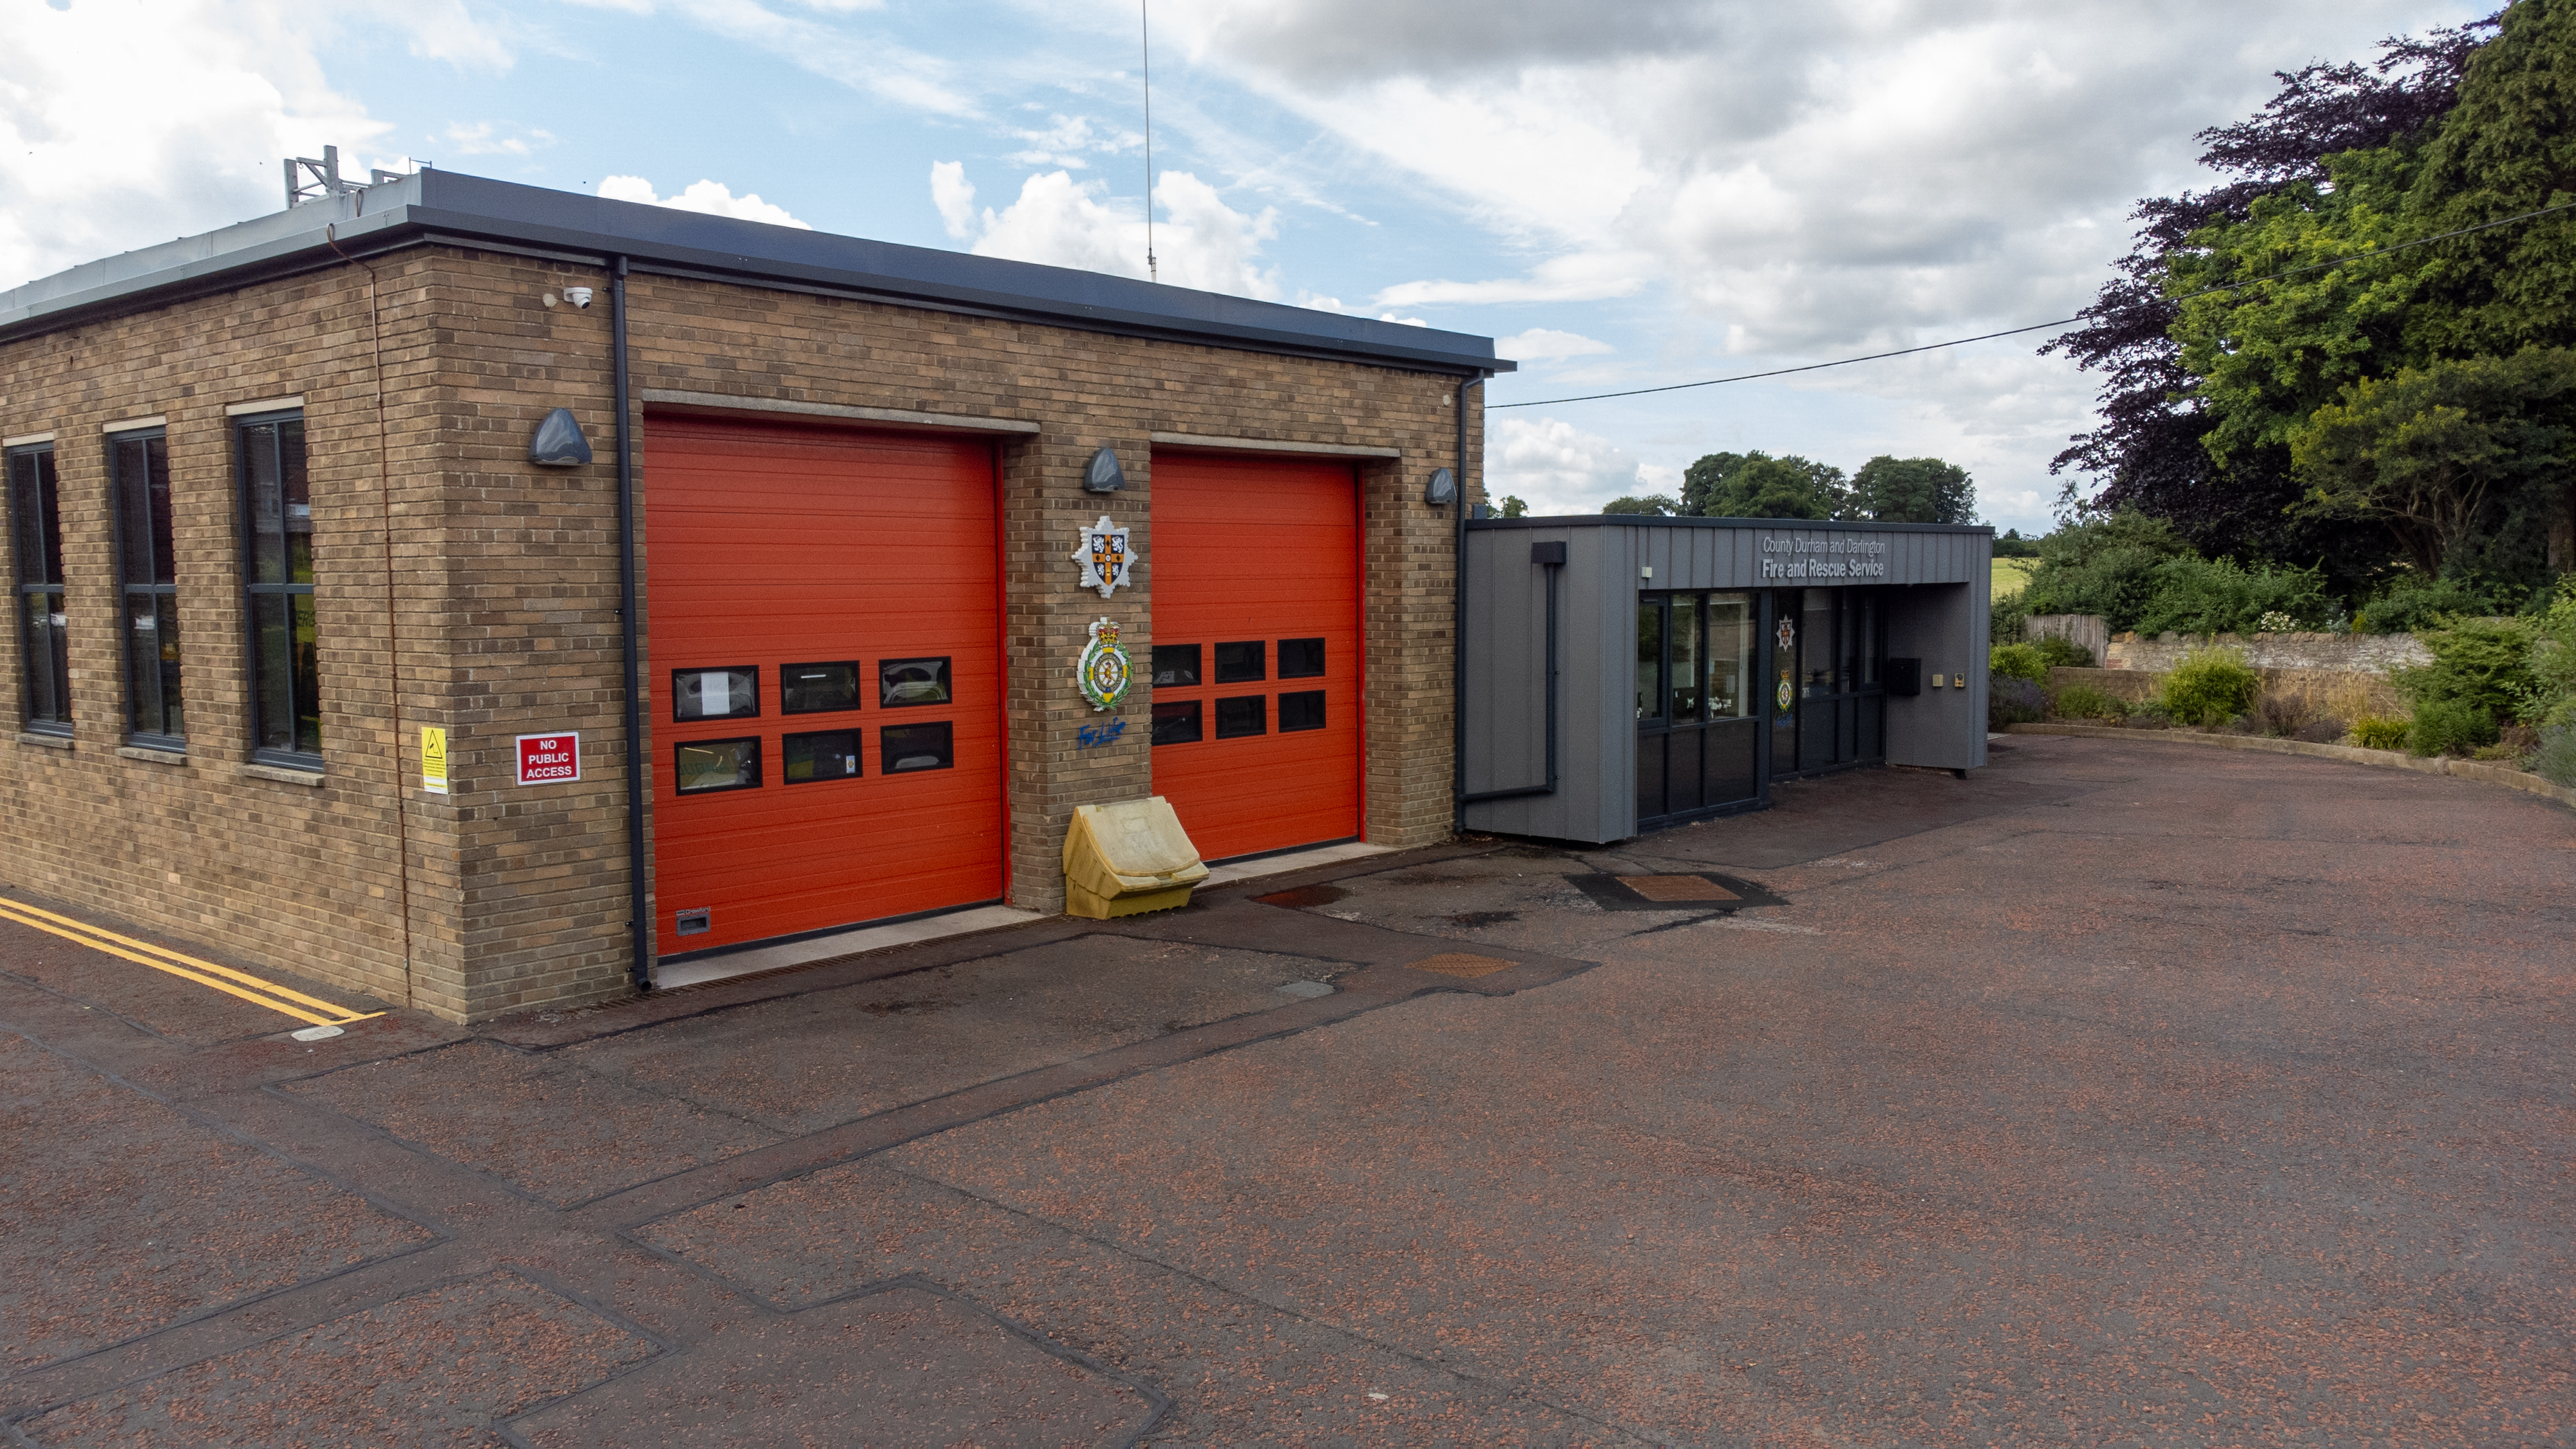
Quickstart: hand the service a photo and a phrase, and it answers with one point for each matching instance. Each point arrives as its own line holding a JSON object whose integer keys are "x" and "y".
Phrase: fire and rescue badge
{"x": 1102, "y": 552}
{"x": 1104, "y": 671}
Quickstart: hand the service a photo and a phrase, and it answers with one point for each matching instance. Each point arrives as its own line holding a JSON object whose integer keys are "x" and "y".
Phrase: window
{"x": 277, "y": 511}
{"x": 1240, "y": 663}
{"x": 1176, "y": 724}
{"x": 147, "y": 575}
{"x": 822, "y": 755}
{"x": 1301, "y": 658}
{"x": 38, "y": 531}
{"x": 1301, "y": 711}
{"x": 704, "y": 767}
{"x": 1236, "y": 718}
{"x": 1176, "y": 664}
{"x": 725, "y": 692}
{"x": 911, "y": 681}
{"x": 818, "y": 688}
{"x": 916, "y": 747}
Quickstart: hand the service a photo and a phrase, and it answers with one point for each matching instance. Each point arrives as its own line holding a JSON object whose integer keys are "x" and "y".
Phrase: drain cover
{"x": 1460, "y": 963}
{"x": 1678, "y": 888}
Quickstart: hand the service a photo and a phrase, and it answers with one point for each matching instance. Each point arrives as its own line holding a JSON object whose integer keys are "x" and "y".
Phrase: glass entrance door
{"x": 1829, "y": 706}
{"x": 1697, "y": 713}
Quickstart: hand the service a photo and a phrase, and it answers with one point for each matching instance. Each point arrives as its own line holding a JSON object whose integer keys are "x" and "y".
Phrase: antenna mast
{"x": 1145, "y": 35}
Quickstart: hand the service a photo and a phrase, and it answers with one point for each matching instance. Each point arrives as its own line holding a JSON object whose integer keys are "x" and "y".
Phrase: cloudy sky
{"x": 1626, "y": 195}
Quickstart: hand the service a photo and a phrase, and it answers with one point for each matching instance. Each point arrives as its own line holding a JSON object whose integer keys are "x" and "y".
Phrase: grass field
{"x": 2012, "y": 575}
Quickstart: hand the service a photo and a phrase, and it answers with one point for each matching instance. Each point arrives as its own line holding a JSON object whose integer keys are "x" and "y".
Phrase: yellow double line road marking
{"x": 205, "y": 973}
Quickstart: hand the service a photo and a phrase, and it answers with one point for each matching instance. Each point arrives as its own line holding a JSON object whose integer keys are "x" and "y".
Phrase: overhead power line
{"x": 2043, "y": 326}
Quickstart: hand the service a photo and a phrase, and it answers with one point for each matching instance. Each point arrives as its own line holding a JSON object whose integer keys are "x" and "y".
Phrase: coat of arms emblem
{"x": 1104, "y": 671}
{"x": 1102, "y": 552}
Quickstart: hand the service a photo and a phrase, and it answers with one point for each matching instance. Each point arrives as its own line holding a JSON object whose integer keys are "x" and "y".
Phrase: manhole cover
{"x": 1460, "y": 963}
{"x": 1677, "y": 888}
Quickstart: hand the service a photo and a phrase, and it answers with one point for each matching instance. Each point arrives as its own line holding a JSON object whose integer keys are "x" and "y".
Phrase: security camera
{"x": 578, "y": 296}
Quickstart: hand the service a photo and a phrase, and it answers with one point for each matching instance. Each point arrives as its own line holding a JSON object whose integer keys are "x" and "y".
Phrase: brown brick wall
{"x": 505, "y": 588}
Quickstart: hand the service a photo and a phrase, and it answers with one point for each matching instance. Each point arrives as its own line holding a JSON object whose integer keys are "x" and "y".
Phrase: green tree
{"x": 1757, "y": 485}
{"x": 1652, "y": 504}
{"x": 1513, "y": 507}
{"x": 2104, "y": 566}
{"x": 2422, "y": 453}
{"x": 1913, "y": 490}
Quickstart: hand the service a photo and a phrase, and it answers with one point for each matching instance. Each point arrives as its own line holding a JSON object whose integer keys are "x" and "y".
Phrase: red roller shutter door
{"x": 1246, "y": 553}
{"x": 856, "y": 577}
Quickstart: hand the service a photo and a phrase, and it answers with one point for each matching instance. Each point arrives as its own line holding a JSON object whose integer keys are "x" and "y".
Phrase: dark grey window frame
{"x": 127, "y": 591}
{"x": 287, "y": 590}
{"x": 47, "y": 594}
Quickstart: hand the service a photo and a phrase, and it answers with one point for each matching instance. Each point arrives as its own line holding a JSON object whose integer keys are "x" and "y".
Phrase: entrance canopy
{"x": 1623, "y": 673}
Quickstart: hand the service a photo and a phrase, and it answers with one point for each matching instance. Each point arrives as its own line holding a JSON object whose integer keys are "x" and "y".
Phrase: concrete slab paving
{"x": 2101, "y": 1097}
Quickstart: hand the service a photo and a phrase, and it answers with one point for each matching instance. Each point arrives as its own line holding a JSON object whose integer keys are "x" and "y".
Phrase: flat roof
{"x": 451, "y": 208}
{"x": 1655, "y": 520}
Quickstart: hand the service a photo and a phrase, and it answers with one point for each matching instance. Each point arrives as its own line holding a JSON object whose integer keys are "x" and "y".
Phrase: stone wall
{"x": 2345, "y": 653}
{"x": 2331, "y": 693}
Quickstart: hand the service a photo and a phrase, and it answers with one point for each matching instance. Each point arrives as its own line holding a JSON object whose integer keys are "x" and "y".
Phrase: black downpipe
{"x": 1458, "y": 625}
{"x": 640, "y": 927}
{"x": 1550, "y": 556}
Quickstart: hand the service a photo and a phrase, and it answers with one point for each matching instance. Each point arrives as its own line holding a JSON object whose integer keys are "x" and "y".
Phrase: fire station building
{"x": 470, "y": 594}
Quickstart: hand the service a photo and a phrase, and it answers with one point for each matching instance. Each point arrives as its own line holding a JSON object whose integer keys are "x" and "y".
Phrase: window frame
{"x": 127, "y": 590}
{"x": 287, "y": 590}
{"x": 56, "y": 663}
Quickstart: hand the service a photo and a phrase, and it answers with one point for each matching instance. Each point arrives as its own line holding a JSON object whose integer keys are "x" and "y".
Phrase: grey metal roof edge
{"x": 1650, "y": 520}
{"x": 450, "y": 206}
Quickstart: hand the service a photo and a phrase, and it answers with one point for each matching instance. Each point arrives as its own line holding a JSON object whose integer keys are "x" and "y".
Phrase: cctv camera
{"x": 578, "y": 296}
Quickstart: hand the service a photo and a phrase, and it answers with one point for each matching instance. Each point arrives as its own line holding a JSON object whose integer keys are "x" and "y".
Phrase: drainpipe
{"x": 640, "y": 925}
{"x": 1458, "y": 626}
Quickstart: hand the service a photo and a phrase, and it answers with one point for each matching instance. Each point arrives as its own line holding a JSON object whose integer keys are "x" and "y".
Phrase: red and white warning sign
{"x": 549, "y": 759}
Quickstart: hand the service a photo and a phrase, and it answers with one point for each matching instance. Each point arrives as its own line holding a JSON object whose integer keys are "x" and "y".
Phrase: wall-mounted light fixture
{"x": 1442, "y": 490}
{"x": 559, "y": 443}
{"x": 1103, "y": 475}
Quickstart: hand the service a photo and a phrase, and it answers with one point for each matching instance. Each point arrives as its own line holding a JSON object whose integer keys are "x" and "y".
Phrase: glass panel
{"x": 1239, "y": 663}
{"x": 273, "y": 673}
{"x": 1780, "y": 699}
{"x": 1301, "y": 659}
{"x": 44, "y": 649}
{"x": 1301, "y": 711}
{"x": 308, "y": 685}
{"x": 133, "y": 510}
{"x": 1650, "y": 659}
{"x": 1847, "y": 742}
{"x": 818, "y": 688}
{"x": 917, "y": 747}
{"x": 48, "y": 502}
{"x": 912, "y": 681}
{"x": 299, "y": 500}
{"x": 706, "y": 766}
{"x": 1176, "y": 724}
{"x": 1681, "y": 771}
{"x": 156, "y": 453}
{"x": 27, "y": 521}
{"x": 822, "y": 755}
{"x": 142, "y": 665}
{"x": 728, "y": 692}
{"x": 1817, "y": 659}
{"x": 1873, "y": 717}
{"x": 1870, "y": 648}
{"x": 173, "y": 721}
{"x": 267, "y": 509}
{"x": 1685, "y": 667}
{"x": 1730, "y": 657}
{"x": 1248, "y": 715}
{"x": 1650, "y": 776}
{"x": 1730, "y": 762}
{"x": 1176, "y": 664}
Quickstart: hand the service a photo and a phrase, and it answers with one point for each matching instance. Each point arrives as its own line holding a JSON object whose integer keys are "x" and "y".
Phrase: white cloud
{"x": 1556, "y": 467}
{"x": 1541, "y": 343}
{"x": 484, "y": 139}
{"x": 865, "y": 62}
{"x": 1583, "y": 277}
{"x": 1065, "y": 140}
{"x": 1199, "y": 240}
{"x": 116, "y": 134}
{"x": 711, "y": 197}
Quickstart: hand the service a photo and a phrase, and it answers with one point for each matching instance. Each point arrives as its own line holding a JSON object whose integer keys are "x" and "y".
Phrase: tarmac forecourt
{"x": 249, "y": 988}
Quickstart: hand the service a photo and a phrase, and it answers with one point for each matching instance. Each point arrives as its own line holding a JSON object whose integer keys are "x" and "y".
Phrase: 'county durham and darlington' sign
{"x": 549, "y": 759}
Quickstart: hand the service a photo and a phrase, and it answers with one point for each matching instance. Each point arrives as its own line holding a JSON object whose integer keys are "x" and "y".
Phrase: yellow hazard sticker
{"x": 433, "y": 760}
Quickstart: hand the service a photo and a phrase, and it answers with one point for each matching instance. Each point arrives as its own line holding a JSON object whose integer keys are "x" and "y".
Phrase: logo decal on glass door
{"x": 1788, "y": 636}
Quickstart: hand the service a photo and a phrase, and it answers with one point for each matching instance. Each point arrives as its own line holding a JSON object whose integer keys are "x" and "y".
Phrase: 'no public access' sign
{"x": 549, "y": 759}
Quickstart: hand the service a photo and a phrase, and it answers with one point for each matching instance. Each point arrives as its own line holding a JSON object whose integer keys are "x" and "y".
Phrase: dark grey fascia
{"x": 434, "y": 207}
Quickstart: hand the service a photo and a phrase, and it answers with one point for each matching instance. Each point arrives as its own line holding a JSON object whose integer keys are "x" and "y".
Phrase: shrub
{"x": 2209, "y": 686}
{"x": 2011, "y": 700}
{"x": 2450, "y": 727}
{"x": 2059, "y": 652}
{"x": 2105, "y": 567}
{"x": 2017, "y": 661}
{"x": 2322, "y": 732}
{"x": 2083, "y": 701}
{"x": 2483, "y": 663}
{"x": 2381, "y": 732}
{"x": 2195, "y": 595}
{"x": 2555, "y": 760}
{"x": 2413, "y": 603}
{"x": 2007, "y": 620}
{"x": 2284, "y": 713}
